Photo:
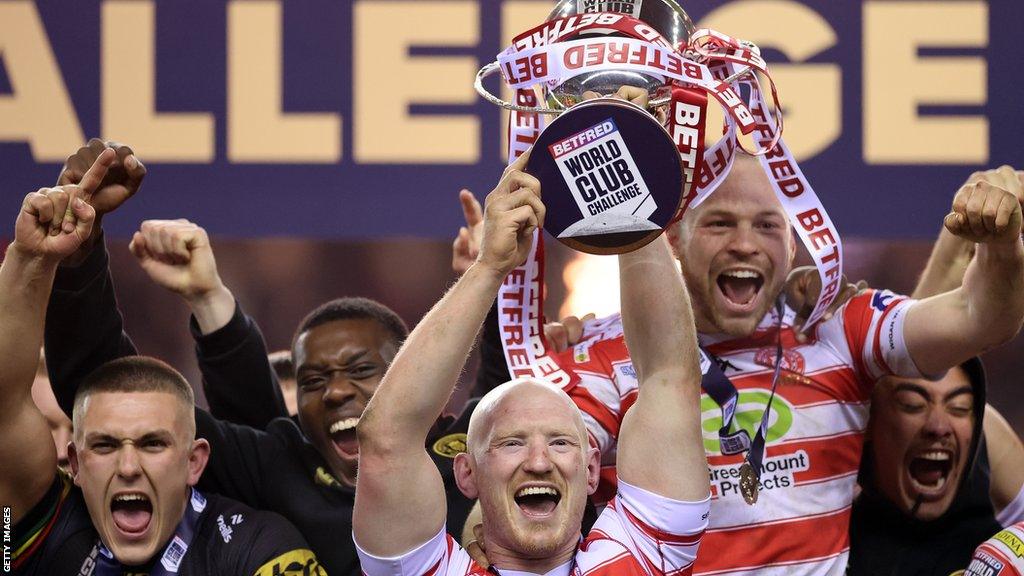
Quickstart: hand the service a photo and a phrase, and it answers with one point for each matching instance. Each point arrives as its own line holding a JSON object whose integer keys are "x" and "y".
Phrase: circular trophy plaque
{"x": 610, "y": 176}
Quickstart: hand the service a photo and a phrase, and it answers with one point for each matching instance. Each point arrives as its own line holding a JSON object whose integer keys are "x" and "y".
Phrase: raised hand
{"x": 512, "y": 211}
{"x": 121, "y": 182}
{"x": 985, "y": 213}
{"x": 176, "y": 254}
{"x": 466, "y": 246}
{"x": 54, "y": 222}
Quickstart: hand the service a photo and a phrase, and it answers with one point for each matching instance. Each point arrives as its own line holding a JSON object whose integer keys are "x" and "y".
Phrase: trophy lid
{"x": 665, "y": 16}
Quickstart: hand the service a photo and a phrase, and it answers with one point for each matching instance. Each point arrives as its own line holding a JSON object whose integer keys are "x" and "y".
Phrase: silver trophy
{"x": 665, "y": 16}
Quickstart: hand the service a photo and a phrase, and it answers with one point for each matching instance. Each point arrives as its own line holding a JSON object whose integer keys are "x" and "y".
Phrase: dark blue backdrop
{"x": 353, "y": 200}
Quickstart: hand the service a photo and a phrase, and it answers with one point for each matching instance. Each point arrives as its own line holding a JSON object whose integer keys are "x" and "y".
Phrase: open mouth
{"x": 929, "y": 472}
{"x": 343, "y": 436}
{"x": 132, "y": 513}
{"x": 740, "y": 287}
{"x": 537, "y": 501}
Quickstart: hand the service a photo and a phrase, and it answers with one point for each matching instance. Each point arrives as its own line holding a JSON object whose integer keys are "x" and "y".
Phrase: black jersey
{"x": 57, "y": 538}
{"x": 269, "y": 464}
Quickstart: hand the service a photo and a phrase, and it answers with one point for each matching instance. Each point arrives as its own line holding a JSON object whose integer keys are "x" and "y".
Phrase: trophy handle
{"x": 489, "y": 70}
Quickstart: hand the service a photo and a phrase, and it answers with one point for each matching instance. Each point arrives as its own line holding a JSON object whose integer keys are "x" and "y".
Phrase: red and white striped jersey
{"x": 638, "y": 533}
{"x": 815, "y": 432}
{"x": 1000, "y": 555}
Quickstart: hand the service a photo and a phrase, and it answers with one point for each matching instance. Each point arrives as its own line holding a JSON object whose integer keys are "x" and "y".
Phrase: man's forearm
{"x": 994, "y": 288}
{"x": 659, "y": 329}
{"x": 656, "y": 313}
{"x": 422, "y": 377}
{"x": 84, "y": 328}
{"x": 25, "y": 283}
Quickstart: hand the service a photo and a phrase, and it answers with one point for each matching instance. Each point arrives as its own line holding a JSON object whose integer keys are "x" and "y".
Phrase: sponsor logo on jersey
{"x": 627, "y": 370}
{"x": 983, "y": 564}
{"x": 1011, "y": 541}
{"x": 293, "y": 563}
{"x": 776, "y": 472}
{"x": 451, "y": 445}
{"x": 225, "y": 530}
{"x": 175, "y": 553}
{"x": 750, "y": 406}
{"x": 881, "y": 300}
{"x": 581, "y": 352}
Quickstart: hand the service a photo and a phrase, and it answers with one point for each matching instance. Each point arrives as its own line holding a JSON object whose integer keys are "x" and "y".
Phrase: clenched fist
{"x": 121, "y": 181}
{"x": 985, "y": 213}
{"x": 176, "y": 254}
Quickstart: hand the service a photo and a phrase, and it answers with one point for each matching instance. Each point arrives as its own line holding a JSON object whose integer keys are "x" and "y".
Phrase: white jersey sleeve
{"x": 870, "y": 326}
{"x": 642, "y": 529}
{"x": 439, "y": 556}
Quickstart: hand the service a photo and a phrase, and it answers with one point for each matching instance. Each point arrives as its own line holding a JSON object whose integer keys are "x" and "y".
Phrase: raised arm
{"x": 660, "y": 444}
{"x": 83, "y": 326}
{"x": 240, "y": 385}
{"x": 944, "y": 330}
{"x": 400, "y": 501}
{"x": 52, "y": 224}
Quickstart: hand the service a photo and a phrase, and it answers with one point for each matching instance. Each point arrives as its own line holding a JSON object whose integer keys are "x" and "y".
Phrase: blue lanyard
{"x": 173, "y": 554}
{"x": 724, "y": 393}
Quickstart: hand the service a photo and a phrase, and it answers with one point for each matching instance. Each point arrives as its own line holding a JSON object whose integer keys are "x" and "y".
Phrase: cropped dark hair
{"x": 355, "y": 309}
{"x": 133, "y": 374}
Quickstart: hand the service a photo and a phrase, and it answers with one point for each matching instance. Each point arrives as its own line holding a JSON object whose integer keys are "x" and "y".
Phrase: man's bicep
{"x": 29, "y": 457}
{"x": 934, "y": 334}
{"x": 400, "y": 503}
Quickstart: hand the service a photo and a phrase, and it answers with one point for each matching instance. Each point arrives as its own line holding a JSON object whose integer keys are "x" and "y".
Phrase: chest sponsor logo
{"x": 451, "y": 445}
{"x": 750, "y": 406}
{"x": 776, "y": 472}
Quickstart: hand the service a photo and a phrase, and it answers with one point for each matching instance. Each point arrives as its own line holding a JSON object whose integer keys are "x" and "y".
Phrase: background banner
{"x": 358, "y": 119}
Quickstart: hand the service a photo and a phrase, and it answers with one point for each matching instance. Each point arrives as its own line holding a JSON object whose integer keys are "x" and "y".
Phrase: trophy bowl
{"x": 664, "y": 16}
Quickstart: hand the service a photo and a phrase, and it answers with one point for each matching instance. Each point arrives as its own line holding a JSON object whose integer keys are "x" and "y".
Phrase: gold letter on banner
{"x": 811, "y": 94}
{"x": 258, "y": 130}
{"x": 39, "y": 111}
{"x": 897, "y": 81}
{"x": 388, "y": 80}
{"x": 128, "y": 109}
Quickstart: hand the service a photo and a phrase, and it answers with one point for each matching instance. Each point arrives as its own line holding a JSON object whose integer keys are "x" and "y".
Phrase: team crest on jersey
{"x": 792, "y": 361}
{"x": 451, "y": 445}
